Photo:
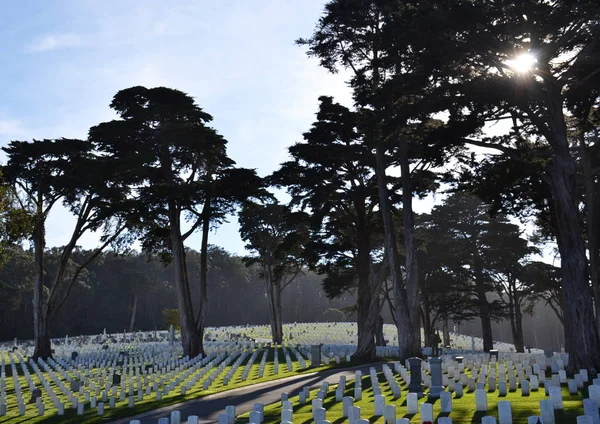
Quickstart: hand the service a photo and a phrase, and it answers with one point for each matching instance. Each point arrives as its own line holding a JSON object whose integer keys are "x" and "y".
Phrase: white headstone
{"x": 481, "y": 400}
{"x": 446, "y": 402}
{"x": 389, "y": 414}
{"x": 488, "y": 419}
{"x": 346, "y": 404}
{"x": 379, "y": 405}
{"x": 525, "y": 387}
{"x": 426, "y": 412}
{"x": 556, "y": 397}
{"x": 320, "y": 415}
{"x": 590, "y": 407}
{"x": 504, "y": 412}
{"x": 412, "y": 403}
{"x": 547, "y": 411}
{"x": 594, "y": 393}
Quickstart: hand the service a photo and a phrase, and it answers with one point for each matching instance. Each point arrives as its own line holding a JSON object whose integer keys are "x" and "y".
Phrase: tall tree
{"x": 331, "y": 175}
{"x": 357, "y": 35}
{"x": 44, "y": 173}
{"x": 474, "y": 239}
{"x": 276, "y": 237}
{"x": 181, "y": 179}
{"x": 533, "y": 62}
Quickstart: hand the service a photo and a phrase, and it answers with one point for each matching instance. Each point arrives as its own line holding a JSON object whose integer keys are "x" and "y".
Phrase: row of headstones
{"x": 547, "y": 407}
{"x": 70, "y": 395}
{"x": 64, "y": 365}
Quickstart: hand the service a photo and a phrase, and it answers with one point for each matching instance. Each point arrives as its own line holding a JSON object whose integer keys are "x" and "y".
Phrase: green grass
{"x": 463, "y": 409}
{"x": 149, "y": 403}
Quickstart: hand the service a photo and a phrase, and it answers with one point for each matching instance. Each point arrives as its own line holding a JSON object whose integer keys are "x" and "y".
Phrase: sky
{"x": 64, "y": 60}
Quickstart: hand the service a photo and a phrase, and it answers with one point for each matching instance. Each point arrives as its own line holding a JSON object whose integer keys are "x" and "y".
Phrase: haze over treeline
{"x": 106, "y": 295}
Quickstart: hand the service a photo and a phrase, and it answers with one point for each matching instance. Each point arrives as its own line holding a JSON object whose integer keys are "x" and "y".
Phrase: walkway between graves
{"x": 209, "y": 407}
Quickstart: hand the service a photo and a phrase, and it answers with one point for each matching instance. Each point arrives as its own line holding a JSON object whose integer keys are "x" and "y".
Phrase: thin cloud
{"x": 54, "y": 42}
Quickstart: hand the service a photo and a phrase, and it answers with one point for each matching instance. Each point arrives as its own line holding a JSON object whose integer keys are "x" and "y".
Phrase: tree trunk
{"x": 379, "y": 336}
{"x": 446, "y": 333}
{"x": 486, "y": 319}
{"x": 581, "y": 338}
{"x": 133, "y": 312}
{"x": 366, "y": 349}
{"x": 519, "y": 340}
{"x": 274, "y": 302}
{"x": 191, "y": 339}
{"x": 406, "y": 332}
{"x": 413, "y": 341}
{"x": 43, "y": 345}
{"x": 592, "y": 208}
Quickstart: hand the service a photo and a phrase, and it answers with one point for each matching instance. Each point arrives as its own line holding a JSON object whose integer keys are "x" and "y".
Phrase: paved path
{"x": 209, "y": 407}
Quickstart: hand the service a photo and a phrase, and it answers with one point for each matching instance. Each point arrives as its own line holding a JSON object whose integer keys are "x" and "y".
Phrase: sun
{"x": 523, "y": 63}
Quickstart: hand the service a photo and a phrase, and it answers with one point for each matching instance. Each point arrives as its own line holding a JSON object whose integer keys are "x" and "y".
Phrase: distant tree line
{"x": 129, "y": 292}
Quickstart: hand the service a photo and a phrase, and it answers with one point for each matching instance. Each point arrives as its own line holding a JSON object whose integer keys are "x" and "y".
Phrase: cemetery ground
{"x": 122, "y": 409}
{"x": 463, "y": 407}
{"x": 133, "y": 374}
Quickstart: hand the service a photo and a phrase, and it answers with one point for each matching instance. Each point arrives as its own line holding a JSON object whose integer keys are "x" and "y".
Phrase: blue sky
{"x": 64, "y": 60}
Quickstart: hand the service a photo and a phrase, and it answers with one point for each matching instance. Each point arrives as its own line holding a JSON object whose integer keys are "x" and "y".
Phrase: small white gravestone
{"x": 444, "y": 420}
{"x": 525, "y": 388}
{"x": 320, "y": 414}
{"x": 287, "y": 404}
{"x": 223, "y": 419}
{"x": 446, "y": 402}
{"x": 255, "y": 417}
{"x": 193, "y": 419}
{"x": 481, "y": 400}
{"x": 534, "y": 382}
{"x": 163, "y": 420}
{"x": 547, "y": 411}
{"x": 594, "y": 393}
{"x": 379, "y": 405}
{"x": 504, "y": 412}
{"x": 556, "y": 397}
{"x": 412, "y": 403}
{"x": 572, "y": 385}
{"x": 488, "y": 419}
{"x": 426, "y": 412}
{"x": 230, "y": 411}
{"x": 287, "y": 415}
{"x": 458, "y": 390}
{"x": 353, "y": 414}
{"x": 584, "y": 419}
{"x": 590, "y": 407}
{"x": 534, "y": 419}
{"x": 346, "y": 404}
{"x": 389, "y": 414}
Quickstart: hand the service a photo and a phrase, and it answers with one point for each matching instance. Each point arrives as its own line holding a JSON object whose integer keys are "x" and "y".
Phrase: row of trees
{"x": 413, "y": 62}
{"x": 156, "y": 174}
{"x": 129, "y": 292}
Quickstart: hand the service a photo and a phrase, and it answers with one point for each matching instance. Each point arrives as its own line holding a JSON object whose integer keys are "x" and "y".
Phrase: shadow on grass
{"x": 477, "y": 416}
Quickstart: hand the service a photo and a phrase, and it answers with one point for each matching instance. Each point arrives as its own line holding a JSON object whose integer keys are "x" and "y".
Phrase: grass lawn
{"x": 463, "y": 409}
{"x": 149, "y": 403}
